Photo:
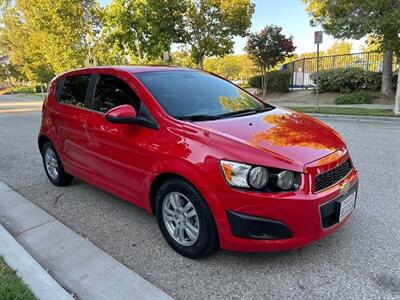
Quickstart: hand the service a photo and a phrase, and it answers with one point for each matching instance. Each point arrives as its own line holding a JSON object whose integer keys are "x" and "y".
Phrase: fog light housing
{"x": 285, "y": 180}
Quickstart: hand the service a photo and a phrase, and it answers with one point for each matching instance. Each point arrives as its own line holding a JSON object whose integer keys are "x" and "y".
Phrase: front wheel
{"x": 185, "y": 219}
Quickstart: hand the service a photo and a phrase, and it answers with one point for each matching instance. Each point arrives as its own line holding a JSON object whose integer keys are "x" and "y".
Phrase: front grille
{"x": 327, "y": 179}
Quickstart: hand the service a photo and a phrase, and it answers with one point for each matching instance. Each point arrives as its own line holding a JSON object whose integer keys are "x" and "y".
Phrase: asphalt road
{"x": 362, "y": 260}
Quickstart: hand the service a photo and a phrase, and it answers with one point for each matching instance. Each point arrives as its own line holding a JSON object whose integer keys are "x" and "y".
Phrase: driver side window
{"x": 112, "y": 92}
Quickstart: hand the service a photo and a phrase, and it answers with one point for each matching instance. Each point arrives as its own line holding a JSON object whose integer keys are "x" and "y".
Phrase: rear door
{"x": 71, "y": 116}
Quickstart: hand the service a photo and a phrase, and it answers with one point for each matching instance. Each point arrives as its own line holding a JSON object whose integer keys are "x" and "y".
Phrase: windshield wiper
{"x": 196, "y": 117}
{"x": 238, "y": 113}
{"x": 245, "y": 112}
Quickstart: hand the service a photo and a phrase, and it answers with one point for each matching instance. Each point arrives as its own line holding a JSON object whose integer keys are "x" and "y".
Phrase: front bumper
{"x": 291, "y": 219}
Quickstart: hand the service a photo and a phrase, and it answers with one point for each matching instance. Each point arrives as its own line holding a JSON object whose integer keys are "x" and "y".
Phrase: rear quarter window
{"x": 74, "y": 90}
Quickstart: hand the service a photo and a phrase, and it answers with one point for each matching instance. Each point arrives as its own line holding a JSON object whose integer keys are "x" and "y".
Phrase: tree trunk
{"x": 201, "y": 61}
{"x": 264, "y": 83}
{"x": 396, "y": 109}
{"x": 386, "y": 88}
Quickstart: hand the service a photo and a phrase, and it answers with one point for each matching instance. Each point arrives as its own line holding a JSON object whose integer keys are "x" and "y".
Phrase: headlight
{"x": 259, "y": 178}
{"x": 285, "y": 180}
{"x": 235, "y": 173}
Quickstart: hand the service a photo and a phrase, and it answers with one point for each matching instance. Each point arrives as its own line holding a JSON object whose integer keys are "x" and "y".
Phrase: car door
{"x": 71, "y": 114}
{"x": 118, "y": 152}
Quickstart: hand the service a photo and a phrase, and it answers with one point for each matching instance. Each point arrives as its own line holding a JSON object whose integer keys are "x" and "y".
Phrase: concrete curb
{"x": 42, "y": 285}
{"x": 357, "y": 118}
{"x": 74, "y": 262}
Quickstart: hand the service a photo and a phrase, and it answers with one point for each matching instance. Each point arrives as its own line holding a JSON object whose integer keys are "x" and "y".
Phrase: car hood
{"x": 281, "y": 132}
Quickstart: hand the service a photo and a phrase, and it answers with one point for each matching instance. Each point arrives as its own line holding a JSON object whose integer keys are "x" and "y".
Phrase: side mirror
{"x": 123, "y": 114}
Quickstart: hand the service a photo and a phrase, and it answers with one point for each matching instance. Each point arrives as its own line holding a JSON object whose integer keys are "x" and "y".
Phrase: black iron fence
{"x": 302, "y": 69}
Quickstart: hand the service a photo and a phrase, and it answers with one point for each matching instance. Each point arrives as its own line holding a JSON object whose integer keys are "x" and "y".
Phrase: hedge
{"x": 348, "y": 80}
{"x": 277, "y": 81}
{"x": 355, "y": 98}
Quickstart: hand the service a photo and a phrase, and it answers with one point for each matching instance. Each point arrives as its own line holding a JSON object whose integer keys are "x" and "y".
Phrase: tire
{"x": 61, "y": 178}
{"x": 207, "y": 238}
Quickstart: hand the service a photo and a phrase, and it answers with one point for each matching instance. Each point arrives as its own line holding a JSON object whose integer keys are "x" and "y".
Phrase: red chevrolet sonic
{"x": 218, "y": 167}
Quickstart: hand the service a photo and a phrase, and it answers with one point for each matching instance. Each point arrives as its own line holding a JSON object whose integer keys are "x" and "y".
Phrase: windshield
{"x": 198, "y": 95}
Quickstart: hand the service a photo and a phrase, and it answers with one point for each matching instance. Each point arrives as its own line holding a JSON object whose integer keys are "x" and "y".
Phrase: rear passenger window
{"x": 112, "y": 92}
{"x": 74, "y": 90}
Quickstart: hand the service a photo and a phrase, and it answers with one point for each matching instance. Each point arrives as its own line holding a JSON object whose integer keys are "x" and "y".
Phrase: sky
{"x": 291, "y": 16}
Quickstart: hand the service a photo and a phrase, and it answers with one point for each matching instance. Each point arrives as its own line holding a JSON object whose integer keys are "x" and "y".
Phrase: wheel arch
{"x": 159, "y": 180}
{"x": 42, "y": 140}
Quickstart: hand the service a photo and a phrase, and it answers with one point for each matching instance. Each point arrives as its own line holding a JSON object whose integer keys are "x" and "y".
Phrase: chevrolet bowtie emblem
{"x": 344, "y": 187}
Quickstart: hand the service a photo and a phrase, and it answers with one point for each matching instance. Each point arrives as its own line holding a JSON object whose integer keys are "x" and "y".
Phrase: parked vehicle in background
{"x": 218, "y": 167}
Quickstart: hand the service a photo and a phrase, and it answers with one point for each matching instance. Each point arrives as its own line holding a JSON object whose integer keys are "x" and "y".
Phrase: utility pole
{"x": 317, "y": 40}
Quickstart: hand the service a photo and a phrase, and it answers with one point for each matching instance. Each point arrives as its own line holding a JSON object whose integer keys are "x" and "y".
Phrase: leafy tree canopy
{"x": 45, "y": 37}
{"x": 233, "y": 67}
{"x": 269, "y": 47}
{"x": 339, "y": 47}
{"x": 211, "y": 25}
{"x": 139, "y": 31}
{"x": 372, "y": 44}
{"x": 357, "y": 18}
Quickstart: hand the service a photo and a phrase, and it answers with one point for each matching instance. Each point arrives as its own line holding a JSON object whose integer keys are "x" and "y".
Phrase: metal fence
{"x": 302, "y": 69}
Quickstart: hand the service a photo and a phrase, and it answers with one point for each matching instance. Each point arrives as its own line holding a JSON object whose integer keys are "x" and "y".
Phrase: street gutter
{"x": 356, "y": 118}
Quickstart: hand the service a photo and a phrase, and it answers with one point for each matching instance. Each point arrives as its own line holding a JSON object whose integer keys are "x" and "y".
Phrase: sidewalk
{"x": 76, "y": 264}
{"x": 42, "y": 285}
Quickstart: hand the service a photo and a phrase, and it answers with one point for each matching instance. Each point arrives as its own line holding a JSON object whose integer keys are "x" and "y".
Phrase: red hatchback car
{"x": 217, "y": 166}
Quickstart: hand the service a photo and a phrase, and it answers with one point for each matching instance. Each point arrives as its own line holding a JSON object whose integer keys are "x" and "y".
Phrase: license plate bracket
{"x": 346, "y": 205}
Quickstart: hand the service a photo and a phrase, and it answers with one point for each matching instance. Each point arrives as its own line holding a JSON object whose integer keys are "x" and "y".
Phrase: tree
{"x": 182, "y": 58}
{"x": 339, "y": 47}
{"x": 233, "y": 67}
{"x": 268, "y": 48}
{"x": 46, "y": 37}
{"x": 372, "y": 44}
{"x": 211, "y": 25}
{"x": 139, "y": 31}
{"x": 357, "y": 18}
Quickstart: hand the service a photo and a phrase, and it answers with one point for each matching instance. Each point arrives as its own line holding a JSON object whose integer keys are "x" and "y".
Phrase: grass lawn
{"x": 345, "y": 111}
{"x": 11, "y": 286}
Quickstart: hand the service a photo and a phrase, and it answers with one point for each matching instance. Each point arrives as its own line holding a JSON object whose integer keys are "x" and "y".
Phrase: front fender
{"x": 203, "y": 176}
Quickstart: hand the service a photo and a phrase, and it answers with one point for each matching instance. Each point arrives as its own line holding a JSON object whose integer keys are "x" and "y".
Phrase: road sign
{"x": 317, "y": 41}
{"x": 317, "y": 37}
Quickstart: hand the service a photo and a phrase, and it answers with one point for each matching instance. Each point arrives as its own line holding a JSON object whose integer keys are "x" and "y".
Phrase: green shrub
{"x": 28, "y": 89}
{"x": 24, "y": 89}
{"x": 347, "y": 80}
{"x": 277, "y": 81}
{"x": 355, "y": 98}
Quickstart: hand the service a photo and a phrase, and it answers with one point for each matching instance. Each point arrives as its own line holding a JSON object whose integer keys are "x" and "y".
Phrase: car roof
{"x": 135, "y": 69}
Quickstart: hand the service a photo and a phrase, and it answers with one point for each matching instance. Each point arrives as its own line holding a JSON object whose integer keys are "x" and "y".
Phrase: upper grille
{"x": 329, "y": 178}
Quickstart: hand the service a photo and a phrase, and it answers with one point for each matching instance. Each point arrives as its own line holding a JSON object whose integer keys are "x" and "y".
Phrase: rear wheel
{"x": 53, "y": 166}
{"x": 185, "y": 219}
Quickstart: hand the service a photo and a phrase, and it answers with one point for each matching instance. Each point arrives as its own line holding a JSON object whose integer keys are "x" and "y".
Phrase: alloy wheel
{"x": 180, "y": 218}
